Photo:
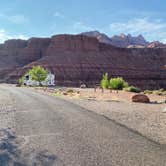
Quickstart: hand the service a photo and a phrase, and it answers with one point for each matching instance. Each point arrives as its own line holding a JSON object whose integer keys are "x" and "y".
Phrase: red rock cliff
{"x": 76, "y": 59}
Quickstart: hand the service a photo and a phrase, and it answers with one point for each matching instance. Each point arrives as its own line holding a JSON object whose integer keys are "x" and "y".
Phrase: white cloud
{"x": 16, "y": 19}
{"x": 81, "y": 27}
{"x": 59, "y": 15}
{"x": 151, "y": 29}
{"x": 4, "y": 35}
{"x": 23, "y": 37}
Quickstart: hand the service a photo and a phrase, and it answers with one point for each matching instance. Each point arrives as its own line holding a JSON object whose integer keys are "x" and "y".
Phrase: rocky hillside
{"x": 124, "y": 41}
{"x": 76, "y": 59}
{"x": 119, "y": 41}
{"x": 156, "y": 44}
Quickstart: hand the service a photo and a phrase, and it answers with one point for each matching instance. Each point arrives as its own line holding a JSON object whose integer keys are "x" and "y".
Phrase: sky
{"x": 43, "y": 18}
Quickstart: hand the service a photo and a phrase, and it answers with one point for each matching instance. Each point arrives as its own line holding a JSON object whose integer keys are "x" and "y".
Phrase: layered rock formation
{"x": 77, "y": 59}
{"x": 119, "y": 41}
{"x": 156, "y": 44}
{"x": 125, "y": 41}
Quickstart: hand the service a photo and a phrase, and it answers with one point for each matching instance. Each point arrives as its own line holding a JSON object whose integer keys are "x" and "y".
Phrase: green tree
{"x": 105, "y": 81}
{"x": 38, "y": 74}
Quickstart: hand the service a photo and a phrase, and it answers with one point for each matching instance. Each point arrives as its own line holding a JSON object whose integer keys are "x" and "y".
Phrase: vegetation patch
{"x": 105, "y": 81}
{"x": 159, "y": 92}
{"x": 148, "y": 92}
{"x": 37, "y": 73}
{"x": 118, "y": 83}
{"x": 132, "y": 89}
{"x": 70, "y": 91}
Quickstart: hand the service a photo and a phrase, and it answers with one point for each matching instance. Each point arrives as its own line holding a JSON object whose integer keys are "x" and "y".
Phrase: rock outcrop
{"x": 78, "y": 43}
{"x": 78, "y": 59}
{"x": 127, "y": 40}
{"x": 122, "y": 40}
{"x": 156, "y": 44}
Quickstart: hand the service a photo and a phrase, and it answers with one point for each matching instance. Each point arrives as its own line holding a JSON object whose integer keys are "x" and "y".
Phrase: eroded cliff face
{"x": 76, "y": 59}
{"x": 121, "y": 40}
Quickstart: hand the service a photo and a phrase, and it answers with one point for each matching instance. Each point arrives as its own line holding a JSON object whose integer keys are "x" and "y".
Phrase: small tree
{"x": 38, "y": 74}
{"x": 105, "y": 81}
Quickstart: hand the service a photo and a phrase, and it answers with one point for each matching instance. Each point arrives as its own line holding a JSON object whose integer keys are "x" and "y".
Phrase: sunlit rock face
{"x": 121, "y": 40}
{"x": 77, "y": 59}
{"x": 77, "y": 43}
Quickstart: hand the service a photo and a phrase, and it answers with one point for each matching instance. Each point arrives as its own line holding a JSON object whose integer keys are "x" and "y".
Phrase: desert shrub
{"x": 164, "y": 92}
{"x": 118, "y": 83}
{"x": 148, "y": 92}
{"x": 105, "y": 81}
{"x": 132, "y": 89}
{"x": 70, "y": 91}
{"x": 161, "y": 90}
{"x": 21, "y": 81}
{"x": 158, "y": 92}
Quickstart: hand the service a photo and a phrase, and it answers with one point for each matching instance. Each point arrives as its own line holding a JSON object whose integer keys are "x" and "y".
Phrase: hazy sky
{"x": 27, "y": 18}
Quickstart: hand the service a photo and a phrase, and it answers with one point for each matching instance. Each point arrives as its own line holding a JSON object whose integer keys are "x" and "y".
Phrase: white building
{"x": 50, "y": 81}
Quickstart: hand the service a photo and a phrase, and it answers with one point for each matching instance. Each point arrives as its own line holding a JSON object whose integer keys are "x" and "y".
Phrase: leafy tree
{"x": 38, "y": 74}
{"x": 118, "y": 83}
{"x": 105, "y": 81}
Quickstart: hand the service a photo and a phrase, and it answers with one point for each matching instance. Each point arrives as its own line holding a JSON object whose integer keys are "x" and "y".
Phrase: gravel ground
{"x": 147, "y": 119}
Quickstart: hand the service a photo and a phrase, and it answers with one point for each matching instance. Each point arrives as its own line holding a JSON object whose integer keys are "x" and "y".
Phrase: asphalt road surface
{"x": 40, "y": 130}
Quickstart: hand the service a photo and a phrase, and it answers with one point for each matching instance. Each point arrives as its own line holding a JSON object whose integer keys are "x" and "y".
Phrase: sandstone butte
{"x": 77, "y": 59}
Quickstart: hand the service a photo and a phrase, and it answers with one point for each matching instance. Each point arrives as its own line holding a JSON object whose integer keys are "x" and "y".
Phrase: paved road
{"x": 42, "y": 130}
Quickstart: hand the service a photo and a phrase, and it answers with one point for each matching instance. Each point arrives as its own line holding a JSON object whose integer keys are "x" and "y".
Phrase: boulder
{"x": 140, "y": 98}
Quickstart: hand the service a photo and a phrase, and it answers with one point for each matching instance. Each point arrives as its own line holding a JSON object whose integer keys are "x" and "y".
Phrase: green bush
{"x": 132, "y": 89}
{"x": 21, "y": 81}
{"x": 70, "y": 91}
{"x": 118, "y": 83}
{"x": 105, "y": 81}
{"x": 148, "y": 92}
